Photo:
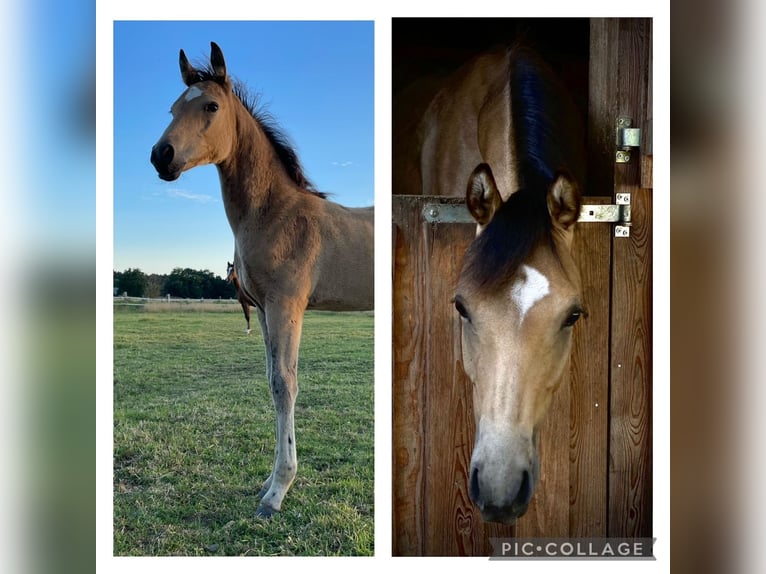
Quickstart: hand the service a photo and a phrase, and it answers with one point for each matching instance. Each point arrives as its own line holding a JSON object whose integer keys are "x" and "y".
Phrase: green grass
{"x": 194, "y": 437}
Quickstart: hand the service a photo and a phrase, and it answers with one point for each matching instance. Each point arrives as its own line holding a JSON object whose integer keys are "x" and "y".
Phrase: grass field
{"x": 194, "y": 436}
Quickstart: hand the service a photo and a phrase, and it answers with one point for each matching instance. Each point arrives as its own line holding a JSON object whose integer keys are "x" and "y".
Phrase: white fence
{"x": 123, "y": 300}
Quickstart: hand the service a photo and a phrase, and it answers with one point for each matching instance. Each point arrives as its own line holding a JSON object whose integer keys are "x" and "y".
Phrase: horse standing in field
{"x": 231, "y": 277}
{"x": 503, "y": 132}
{"x": 296, "y": 250}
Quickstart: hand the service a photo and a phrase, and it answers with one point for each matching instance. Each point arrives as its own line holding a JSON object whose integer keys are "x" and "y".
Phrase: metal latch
{"x": 627, "y": 138}
{"x": 447, "y": 213}
{"x": 619, "y": 214}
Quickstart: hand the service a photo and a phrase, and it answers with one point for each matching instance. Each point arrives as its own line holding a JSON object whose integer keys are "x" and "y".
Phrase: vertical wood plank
{"x": 630, "y": 470}
{"x": 454, "y": 525}
{"x": 602, "y": 106}
{"x": 630, "y": 398}
{"x": 409, "y": 332}
{"x": 647, "y": 144}
{"x": 589, "y": 393}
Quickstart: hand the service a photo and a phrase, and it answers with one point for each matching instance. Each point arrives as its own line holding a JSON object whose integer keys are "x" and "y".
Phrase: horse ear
{"x": 218, "y": 63}
{"x": 188, "y": 73}
{"x": 564, "y": 201}
{"x": 481, "y": 196}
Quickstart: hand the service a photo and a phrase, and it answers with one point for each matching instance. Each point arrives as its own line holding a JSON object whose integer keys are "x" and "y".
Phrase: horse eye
{"x": 572, "y": 318}
{"x": 211, "y": 107}
{"x": 461, "y": 309}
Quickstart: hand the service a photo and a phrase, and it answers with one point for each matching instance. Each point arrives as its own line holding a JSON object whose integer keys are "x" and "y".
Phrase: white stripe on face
{"x": 529, "y": 290}
{"x": 191, "y": 93}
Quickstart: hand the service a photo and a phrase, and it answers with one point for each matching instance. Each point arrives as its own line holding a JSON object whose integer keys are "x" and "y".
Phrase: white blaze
{"x": 191, "y": 93}
{"x": 529, "y": 290}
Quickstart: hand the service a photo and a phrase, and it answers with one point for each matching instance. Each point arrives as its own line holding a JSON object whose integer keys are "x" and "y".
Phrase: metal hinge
{"x": 627, "y": 138}
{"x": 619, "y": 214}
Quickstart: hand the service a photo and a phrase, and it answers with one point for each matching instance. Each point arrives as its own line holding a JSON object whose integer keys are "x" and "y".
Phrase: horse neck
{"x": 251, "y": 173}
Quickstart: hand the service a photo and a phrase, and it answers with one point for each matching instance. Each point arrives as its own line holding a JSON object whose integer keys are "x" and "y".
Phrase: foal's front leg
{"x": 284, "y": 324}
{"x": 265, "y": 331}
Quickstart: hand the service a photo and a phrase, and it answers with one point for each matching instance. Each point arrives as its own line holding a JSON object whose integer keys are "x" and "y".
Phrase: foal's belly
{"x": 357, "y": 296}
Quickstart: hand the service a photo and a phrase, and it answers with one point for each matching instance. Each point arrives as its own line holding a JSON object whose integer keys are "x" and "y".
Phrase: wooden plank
{"x": 454, "y": 524}
{"x": 630, "y": 472}
{"x": 602, "y": 106}
{"x": 433, "y": 514}
{"x": 647, "y": 169}
{"x": 409, "y": 333}
{"x": 589, "y": 393}
{"x": 630, "y": 396}
{"x": 647, "y": 144}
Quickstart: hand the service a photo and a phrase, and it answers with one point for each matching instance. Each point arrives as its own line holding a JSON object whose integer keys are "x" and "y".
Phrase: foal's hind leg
{"x": 284, "y": 328}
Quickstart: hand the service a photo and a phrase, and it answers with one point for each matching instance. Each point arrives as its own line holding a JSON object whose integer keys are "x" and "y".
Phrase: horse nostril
{"x": 163, "y": 155}
{"x": 525, "y": 489}
{"x": 473, "y": 485}
{"x": 166, "y": 153}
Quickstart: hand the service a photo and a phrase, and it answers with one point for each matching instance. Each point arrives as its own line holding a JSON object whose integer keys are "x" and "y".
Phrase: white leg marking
{"x": 529, "y": 290}
{"x": 191, "y": 93}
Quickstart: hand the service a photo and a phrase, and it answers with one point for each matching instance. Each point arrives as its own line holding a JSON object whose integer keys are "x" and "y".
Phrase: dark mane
{"x": 277, "y": 138}
{"x": 519, "y": 225}
{"x": 547, "y": 138}
{"x": 547, "y": 129}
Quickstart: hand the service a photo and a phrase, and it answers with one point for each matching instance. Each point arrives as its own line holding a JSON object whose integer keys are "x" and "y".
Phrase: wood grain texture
{"x": 647, "y": 144}
{"x": 647, "y": 171}
{"x": 452, "y": 518}
{"x": 602, "y": 106}
{"x": 630, "y": 499}
{"x": 433, "y": 512}
{"x": 596, "y": 461}
{"x": 631, "y": 392}
{"x": 589, "y": 383}
{"x": 409, "y": 333}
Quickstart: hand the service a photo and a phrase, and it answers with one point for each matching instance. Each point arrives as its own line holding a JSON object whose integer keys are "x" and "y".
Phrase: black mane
{"x": 520, "y": 224}
{"x": 548, "y": 131}
{"x": 548, "y": 138}
{"x": 277, "y": 138}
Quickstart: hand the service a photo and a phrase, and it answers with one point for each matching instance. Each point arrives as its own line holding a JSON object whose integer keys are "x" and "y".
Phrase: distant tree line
{"x": 181, "y": 283}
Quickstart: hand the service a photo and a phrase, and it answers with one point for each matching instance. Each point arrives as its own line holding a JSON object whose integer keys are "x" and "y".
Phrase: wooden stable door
{"x": 595, "y": 444}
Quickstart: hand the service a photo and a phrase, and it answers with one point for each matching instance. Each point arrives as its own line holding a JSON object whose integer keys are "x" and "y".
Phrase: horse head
{"x": 203, "y": 119}
{"x": 518, "y": 296}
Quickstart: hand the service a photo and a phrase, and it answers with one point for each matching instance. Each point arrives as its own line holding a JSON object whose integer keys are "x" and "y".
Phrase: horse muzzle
{"x": 503, "y": 505}
{"x": 503, "y": 477}
{"x": 162, "y": 158}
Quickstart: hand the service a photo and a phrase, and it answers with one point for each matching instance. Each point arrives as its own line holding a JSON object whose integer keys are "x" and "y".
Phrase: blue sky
{"x": 316, "y": 80}
{"x": 57, "y": 59}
